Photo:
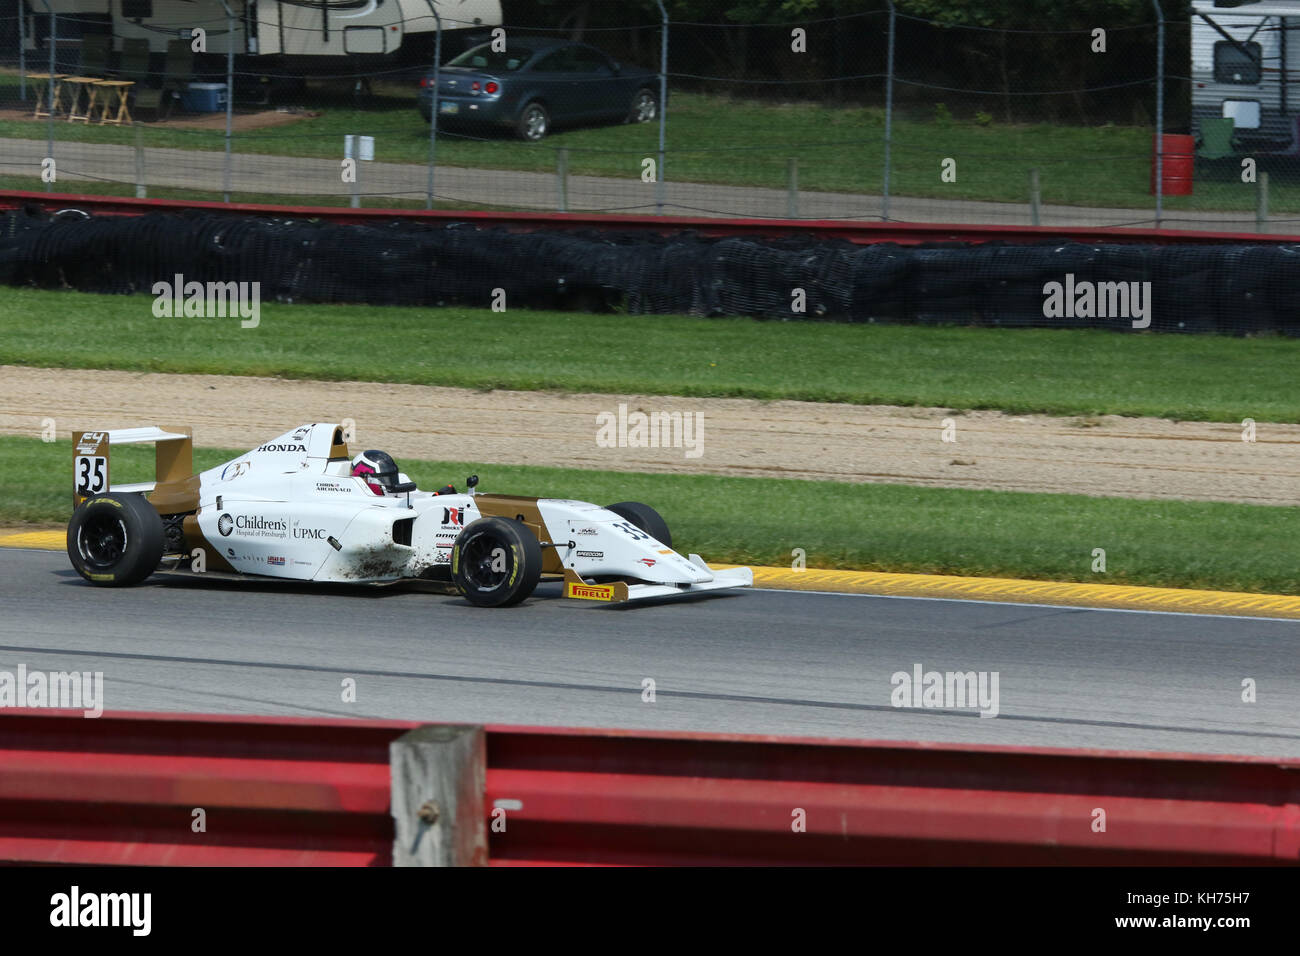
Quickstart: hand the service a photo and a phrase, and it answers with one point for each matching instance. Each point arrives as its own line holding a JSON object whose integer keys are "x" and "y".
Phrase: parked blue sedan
{"x": 535, "y": 84}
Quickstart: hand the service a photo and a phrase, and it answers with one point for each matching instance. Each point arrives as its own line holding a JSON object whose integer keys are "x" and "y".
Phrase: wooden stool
{"x": 41, "y": 89}
{"x": 79, "y": 83}
{"x": 118, "y": 89}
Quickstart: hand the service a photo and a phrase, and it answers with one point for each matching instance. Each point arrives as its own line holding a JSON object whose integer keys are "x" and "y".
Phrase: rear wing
{"x": 173, "y": 459}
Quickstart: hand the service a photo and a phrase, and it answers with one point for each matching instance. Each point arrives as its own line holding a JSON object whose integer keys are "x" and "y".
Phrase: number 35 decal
{"x": 631, "y": 530}
{"x": 92, "y": 474}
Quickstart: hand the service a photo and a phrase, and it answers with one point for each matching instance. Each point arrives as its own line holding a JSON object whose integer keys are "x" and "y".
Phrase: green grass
{"x": 718, "y": 139}
{"x": 872, "y": 527}
{"x": 1060, "y": 372}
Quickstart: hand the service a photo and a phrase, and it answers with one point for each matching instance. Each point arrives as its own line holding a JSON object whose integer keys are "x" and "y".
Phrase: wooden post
{"x": 1261, "y": 203}
{"x": 439, "y": 776}
{"x": 1035, "y": 198}
{"x": 792, "y": 188}
{"x": 355, "y": 201}
{"x": 141, "y": 191}
{"x": 562, "y": 178}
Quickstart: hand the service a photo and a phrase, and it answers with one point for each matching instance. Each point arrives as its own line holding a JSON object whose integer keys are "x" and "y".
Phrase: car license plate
{"x": 448, "y": 107}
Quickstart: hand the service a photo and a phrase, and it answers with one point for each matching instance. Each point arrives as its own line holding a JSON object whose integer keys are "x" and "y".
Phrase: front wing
{"x": 618, "y": 592}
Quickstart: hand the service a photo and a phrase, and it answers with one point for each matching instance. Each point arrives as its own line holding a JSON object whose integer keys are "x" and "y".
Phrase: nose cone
{"x": 671, "y": 568}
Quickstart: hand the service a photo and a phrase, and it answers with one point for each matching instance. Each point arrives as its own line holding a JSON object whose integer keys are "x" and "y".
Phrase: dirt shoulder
{"x": 1106, "y": 456}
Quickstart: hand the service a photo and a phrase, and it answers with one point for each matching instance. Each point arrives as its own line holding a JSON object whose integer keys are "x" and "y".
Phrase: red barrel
{"x": 1179, "y": 163}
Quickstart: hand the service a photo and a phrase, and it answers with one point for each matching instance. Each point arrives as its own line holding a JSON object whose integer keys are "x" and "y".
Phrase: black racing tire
{"x": 645, "y": 106}
{"x": 534, "y": 122}
{"x": 496, "y": 562}
{"x": 115, "y": 541}
{"x": 645, "y": 518}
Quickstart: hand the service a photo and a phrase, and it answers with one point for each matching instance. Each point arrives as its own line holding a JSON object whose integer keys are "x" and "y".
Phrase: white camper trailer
{"x": 302, "y": 36}
{"x": 1246, "y": 67}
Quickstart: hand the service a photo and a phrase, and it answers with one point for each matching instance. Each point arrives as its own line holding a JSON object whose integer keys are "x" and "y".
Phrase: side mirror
{"x": 471, "y": 483}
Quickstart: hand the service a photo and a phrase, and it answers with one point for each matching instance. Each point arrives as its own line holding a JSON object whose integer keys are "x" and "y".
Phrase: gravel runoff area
{"x": 1106, "y": 456}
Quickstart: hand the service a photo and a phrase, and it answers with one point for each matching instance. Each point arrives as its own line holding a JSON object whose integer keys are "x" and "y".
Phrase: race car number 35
{"x": 92, "y": 474}
{"x": 631, "y": 530}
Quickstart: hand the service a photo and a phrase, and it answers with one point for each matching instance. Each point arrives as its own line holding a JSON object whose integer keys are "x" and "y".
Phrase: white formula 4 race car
{"x": 293, "y": 509}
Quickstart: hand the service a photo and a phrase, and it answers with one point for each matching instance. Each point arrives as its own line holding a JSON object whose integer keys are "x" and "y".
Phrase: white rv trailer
{"x": 1246, "y": 66}
{"x": 305, "y": 36}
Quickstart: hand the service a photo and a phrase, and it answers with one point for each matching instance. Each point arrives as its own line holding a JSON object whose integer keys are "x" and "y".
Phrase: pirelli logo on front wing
{"x": 589, "y": 592}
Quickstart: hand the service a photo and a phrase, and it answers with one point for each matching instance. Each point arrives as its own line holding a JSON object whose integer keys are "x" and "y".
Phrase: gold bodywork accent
{"x": 524, "y": 509}
{"x": 339, "y": 448}
{"x": 177, "y": 488}
{"x": 215, "y": 560}
{"x": 574, "y": 587}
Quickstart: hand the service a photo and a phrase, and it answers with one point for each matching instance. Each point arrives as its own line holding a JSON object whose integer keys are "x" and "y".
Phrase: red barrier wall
{"x": 859, "y": 232}
{"x": 291, "y": 791}
{"x": 121, "y": 789}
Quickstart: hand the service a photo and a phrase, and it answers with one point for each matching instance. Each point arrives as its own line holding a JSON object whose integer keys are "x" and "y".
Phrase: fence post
{"x": 439, "y": 777}
{"x": 1261, "y": 203}
{"x": 49, "y": 96}
{"x": 230, "y": 97}
{"x": 562, "y": 178}
{"x": 1160, "y": 111}
{"x": 663, "y": 108}
{"x": 355, "y": 201}
{"x": 792, "y": 188}
{"x": 49, "y": 93}
{"x": 22, "y": 52}
{"x": 1035, "y": 198}
{"x": 141, "y": 191}
{"x": 433, "y": 103}
{"x": 889, "y": 115}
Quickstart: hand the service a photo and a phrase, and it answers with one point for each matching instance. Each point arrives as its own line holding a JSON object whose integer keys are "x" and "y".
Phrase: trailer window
{"x": 1233, "y": 65}
{"x": 1243, "y": 113}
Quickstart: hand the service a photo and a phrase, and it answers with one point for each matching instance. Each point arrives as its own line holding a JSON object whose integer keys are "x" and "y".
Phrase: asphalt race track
{"x": 752, "y": 661}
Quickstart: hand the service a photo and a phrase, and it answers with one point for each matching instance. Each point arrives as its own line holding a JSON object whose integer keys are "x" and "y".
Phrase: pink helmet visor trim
{"x": 361, "y": 471}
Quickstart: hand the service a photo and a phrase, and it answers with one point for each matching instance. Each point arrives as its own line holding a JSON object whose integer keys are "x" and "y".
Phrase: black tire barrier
{"x": 1229, "y": 288}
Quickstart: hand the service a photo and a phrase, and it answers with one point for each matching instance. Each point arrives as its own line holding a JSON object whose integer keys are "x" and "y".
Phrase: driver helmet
{"x": 377, "y": 469}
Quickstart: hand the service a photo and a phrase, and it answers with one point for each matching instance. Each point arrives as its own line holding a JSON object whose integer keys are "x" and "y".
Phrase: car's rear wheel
{"x": 115, "y": 540}
{"x": 645, "y": 107}
{"x": 645, "y": 518}
{"x": 496, "y": 562}
{"x": 534, "y": 122}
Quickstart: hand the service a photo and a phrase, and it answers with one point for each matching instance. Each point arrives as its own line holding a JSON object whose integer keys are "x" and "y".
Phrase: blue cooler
{"x": 204, "y": 98}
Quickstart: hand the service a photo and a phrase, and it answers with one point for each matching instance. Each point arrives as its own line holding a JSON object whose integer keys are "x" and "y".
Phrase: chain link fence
{"x": 904, "y": 111}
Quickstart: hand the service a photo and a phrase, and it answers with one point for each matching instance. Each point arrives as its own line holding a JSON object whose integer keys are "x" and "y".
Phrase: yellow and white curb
{"x": 1015, "y": 590}
{"x": 951, "y": 587}
{"x": 43, "y": 540}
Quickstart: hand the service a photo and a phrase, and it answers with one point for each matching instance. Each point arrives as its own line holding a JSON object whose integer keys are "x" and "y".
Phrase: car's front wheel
{"x": 496, "y": 562}
{"x": 534, "y": 123}
{"x": 115, "y": 540}
{"x": 645, "y": 107}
